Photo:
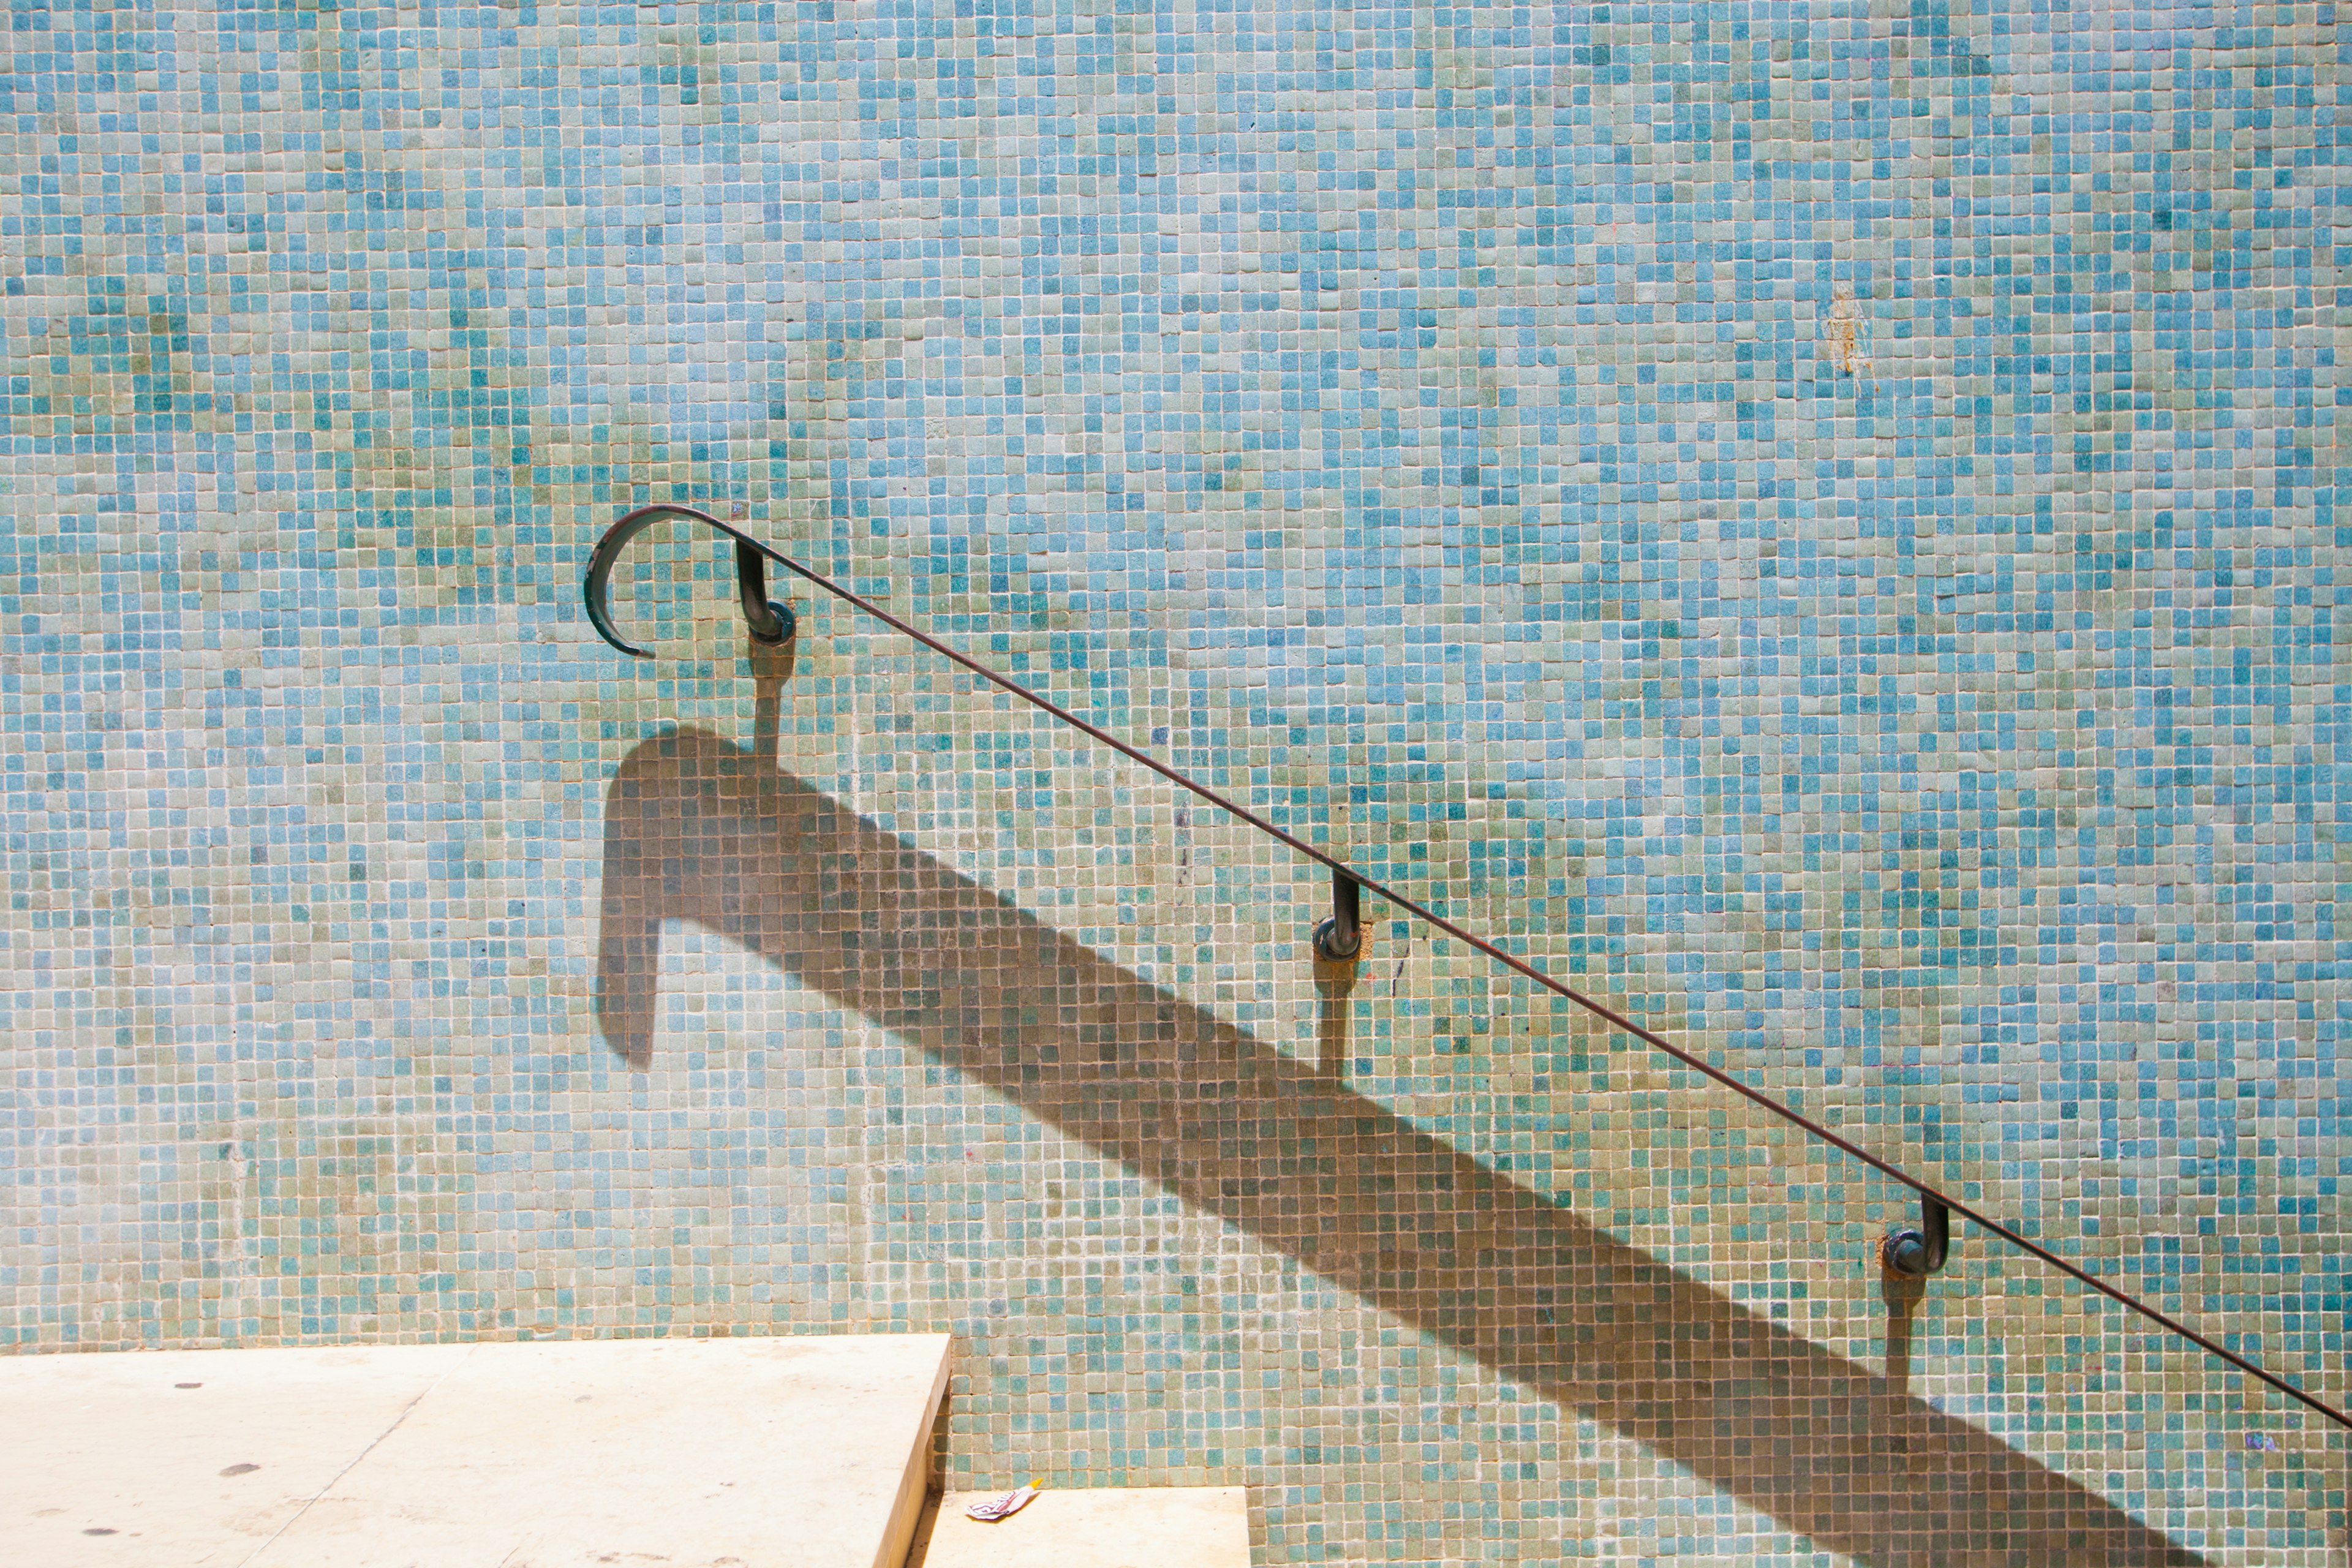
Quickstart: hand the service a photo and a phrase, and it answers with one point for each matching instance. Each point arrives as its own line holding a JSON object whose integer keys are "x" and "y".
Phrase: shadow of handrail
{"x": 700, "y": 829}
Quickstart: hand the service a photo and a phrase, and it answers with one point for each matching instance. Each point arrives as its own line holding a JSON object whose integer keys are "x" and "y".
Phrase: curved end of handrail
{"x": 598, "y": 585}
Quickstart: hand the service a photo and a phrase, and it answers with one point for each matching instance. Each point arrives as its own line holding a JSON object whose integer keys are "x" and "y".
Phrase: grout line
{"x": 336, "y": 1479}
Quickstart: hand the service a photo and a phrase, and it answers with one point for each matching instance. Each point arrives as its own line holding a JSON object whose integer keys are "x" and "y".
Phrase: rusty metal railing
{"x": 1910, "y": 1252}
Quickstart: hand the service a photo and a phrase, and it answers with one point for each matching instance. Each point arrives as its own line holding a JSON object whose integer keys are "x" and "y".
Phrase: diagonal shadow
{"x": 697, "y": 828}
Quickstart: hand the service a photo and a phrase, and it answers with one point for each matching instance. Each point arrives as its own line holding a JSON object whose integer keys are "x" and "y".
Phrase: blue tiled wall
{"x": 1817, "y": 521}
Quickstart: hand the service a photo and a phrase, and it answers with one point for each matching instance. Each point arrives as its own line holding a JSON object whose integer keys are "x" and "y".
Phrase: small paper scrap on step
{"x": 992, "y": 1510}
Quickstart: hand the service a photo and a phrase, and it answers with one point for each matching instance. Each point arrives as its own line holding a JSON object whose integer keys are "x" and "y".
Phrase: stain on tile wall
{"x": 1814, "y": 521}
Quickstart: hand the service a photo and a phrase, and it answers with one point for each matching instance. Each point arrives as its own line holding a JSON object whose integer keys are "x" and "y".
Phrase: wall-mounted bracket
{"x": 1915, "y": 1254}
{"x": 772, "y": 622}
{"x": 1341, "y": 937}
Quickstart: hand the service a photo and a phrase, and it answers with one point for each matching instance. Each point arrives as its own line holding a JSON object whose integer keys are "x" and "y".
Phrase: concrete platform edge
{"x": 914, "y": 1487}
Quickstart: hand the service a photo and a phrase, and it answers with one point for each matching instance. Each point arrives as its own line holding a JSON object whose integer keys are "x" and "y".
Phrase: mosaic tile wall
{"x": 1815, "y": 518}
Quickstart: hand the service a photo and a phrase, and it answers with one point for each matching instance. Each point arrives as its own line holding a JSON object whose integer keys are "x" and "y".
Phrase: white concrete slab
{"x": 790, "y": 1452}
{"x": 1142, "y": 1527}
{"x": 187, "y": 1457}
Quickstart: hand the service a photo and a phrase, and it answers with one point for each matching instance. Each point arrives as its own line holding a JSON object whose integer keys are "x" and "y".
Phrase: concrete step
{"x": 1140, "y": 1527}
{"x": 791, "y": 1452}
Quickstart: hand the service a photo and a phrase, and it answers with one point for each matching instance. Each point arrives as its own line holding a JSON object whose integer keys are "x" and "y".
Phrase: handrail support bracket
{"x": 1915, "y": 1254}
{"x": 772, "y": 622}
{"x": 1341, "y": 938}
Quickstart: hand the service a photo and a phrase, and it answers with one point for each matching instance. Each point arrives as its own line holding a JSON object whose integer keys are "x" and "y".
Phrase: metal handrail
{"x": 1908, "y": 1252}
